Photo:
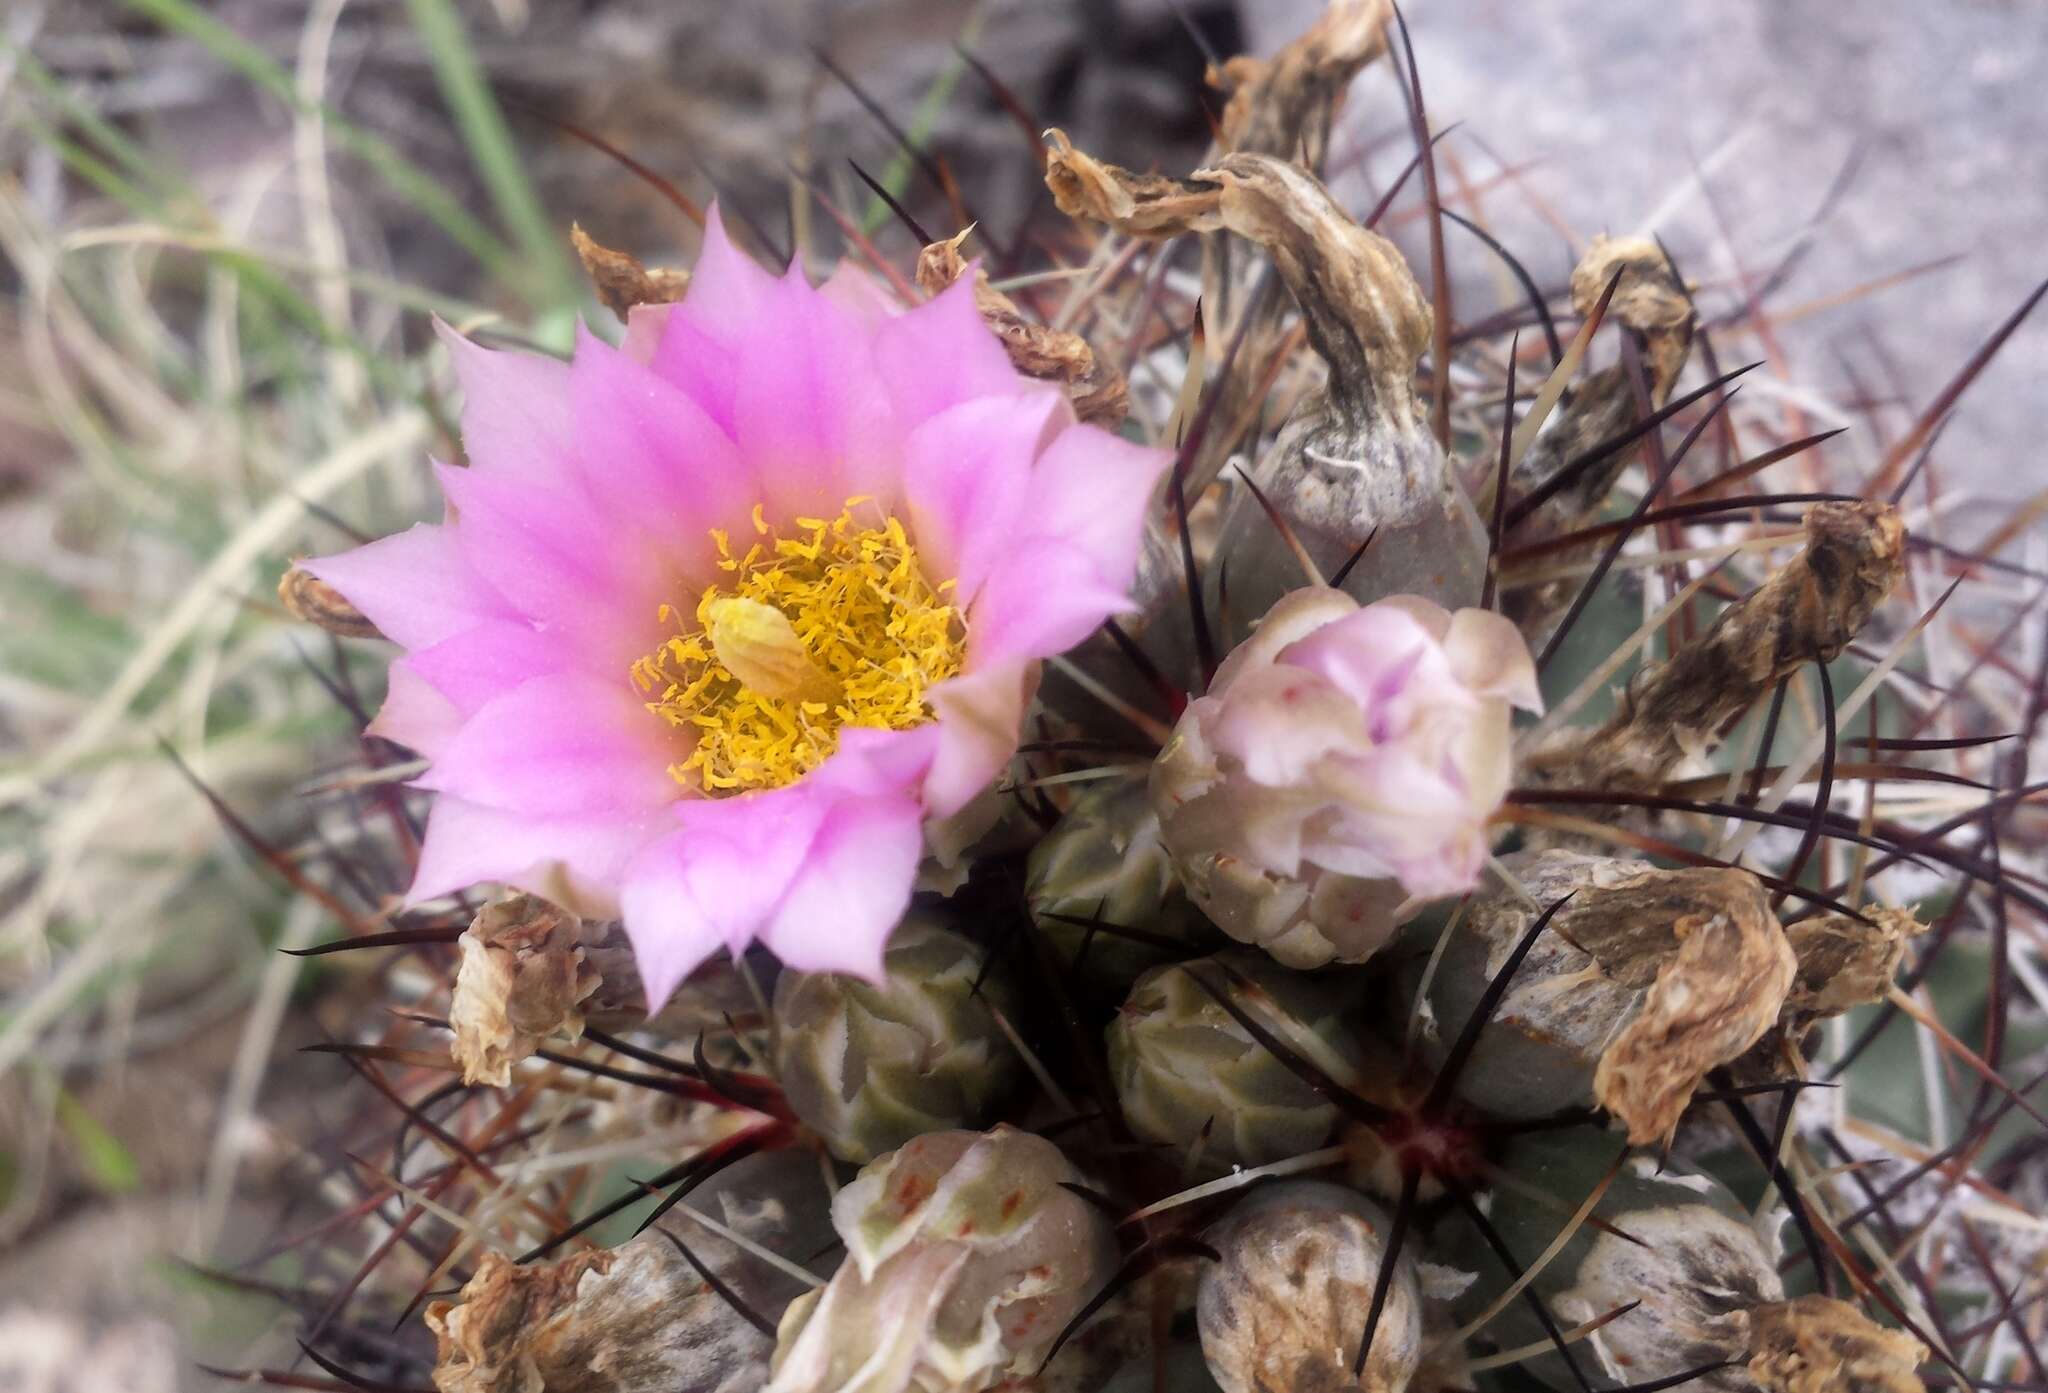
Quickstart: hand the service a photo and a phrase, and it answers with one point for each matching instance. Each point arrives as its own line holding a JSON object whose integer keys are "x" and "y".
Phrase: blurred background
{"x": 224, "y": 223}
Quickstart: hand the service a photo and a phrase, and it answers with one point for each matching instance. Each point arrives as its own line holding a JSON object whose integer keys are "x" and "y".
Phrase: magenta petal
{"x": 1043, "y": 598}
{"x": 967, "y": 473}
{"x": 701, "y": 366}
{"x": 670, "y": 932}
{"x": 668, "y": 470}
{"x": 728, "y": 289}
{"x": 980, "y": 717}
{"x": 414, "y": 714}
{"x": 811, "y": 411}
{"x": 515, "y": 408}
{"x": 853, "y": 889}
{"x": 540, "y": 548}
{"x": 414, "y": 585}
{"x": 576, "y": 862}
{"x": 480, "y": 664}
{"x": 941, "y": 354}
{"x": 562, "y": 745}
{"x": 1091, "y": 489}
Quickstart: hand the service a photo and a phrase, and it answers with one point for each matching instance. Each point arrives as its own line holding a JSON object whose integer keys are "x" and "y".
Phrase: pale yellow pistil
{"x": 808, "y": 634}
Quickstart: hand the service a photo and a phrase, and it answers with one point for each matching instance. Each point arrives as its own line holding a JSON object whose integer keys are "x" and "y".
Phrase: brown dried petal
{"x": 1806, "y": 612}
{"x": 1710, "y": 1001}
{"x": 1649, "y": 300}
{"x": 1097, "y": 390}
{"x": 1844, "y": 962}
{"x": 523, "y": 978}
{"x": 621, "y": 281}
{"x": 1820, "y": 1345}
{"x": 1283, "y": 105}
{"x": 315, "y": 601}
{"x": 637, "y": 1319}
{"x": 1142, "y": 205}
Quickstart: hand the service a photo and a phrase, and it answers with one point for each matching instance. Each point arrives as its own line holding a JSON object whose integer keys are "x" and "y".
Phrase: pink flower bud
{"x": 1341, "y": 769}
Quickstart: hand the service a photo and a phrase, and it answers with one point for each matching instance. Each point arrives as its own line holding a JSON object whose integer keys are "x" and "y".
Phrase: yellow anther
{"x": 758, "y": 645}
{"x": 802, "y": 636}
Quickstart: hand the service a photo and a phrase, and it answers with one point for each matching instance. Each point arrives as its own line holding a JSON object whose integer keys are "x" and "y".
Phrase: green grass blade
{"x": 491, "y": 146}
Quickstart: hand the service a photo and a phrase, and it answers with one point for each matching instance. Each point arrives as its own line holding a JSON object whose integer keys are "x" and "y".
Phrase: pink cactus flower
{"x": 1342, "y": 769}
{"x": 718, "y": 626}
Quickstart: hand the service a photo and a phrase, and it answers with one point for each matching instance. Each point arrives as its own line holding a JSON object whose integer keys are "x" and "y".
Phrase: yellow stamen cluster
{"x": 807, "y": 634}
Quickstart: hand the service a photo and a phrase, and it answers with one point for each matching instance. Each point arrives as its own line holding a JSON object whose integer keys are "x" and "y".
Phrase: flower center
{"x": 834, "y": 627}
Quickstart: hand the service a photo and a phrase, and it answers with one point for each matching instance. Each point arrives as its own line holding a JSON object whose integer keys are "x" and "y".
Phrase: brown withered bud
{"x": 523, "y": 978}
{"x": 1360, "y": 460}
{"x": 1649, "y": 302}
{"x": 1098, "y": 391}
{"x": 1283, "y": 105}
{"x": 1807, "y": 612}
{"x": 1843, "y": 963}
{"x": 621, "y": 281}
{"x": 1645, "y": 981}
{"x": 639, "y": 1318}
{"x": 312, "y": 599}
{"x": 1817, "y": 1344}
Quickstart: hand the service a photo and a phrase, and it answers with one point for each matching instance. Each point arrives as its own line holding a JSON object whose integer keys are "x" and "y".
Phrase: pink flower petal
{"x": 1091, "y": 489}
{"x": 515, "y": 408}
{"x": 414, "y": 585}
{"x": 565, "y": 745}
{"x": 1043, "y": 598}
{"x": 941, "y": 354}
{"x": 576, "y": 862}
{"x": 668, "y": 471}
{"x": 414, "y": 714}
{"x": 695, "y": 363}
{"x": 853, "y": 889}
{"x": 670, "y": 932}
{"x": 645, "y": 326}
{"x": 860, "y": 295}
{"x": 729, "y": 292}
{"x": 967, "y": 473}
{"x": 480, "y": 664}
{"x": 811, "y": 406}
{"x": 980, "y": 715}
{"x": 543, "y": 549}
{"x": 1282, "y": 720}
{"x": 1490, "y": 656}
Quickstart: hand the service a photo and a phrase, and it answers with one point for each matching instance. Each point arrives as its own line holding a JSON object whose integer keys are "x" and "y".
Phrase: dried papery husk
{"x": 313, "y": 600}
{"x": 1817, "y": 1344}
{"x": 1189, "y": 1075}
{"x": 1281, "y": 106}
{"x": 965, "y": 1259}
{"x": 1698, "y": 1267}
{"x": 1358, "y": 460}
{"x": 1649, "y": 303}
{"x": 1284, "y": 1309}
{"x": 531, "y": 971}
{"x": 1807, "y": 611}
{"x": 1284, "y": 105}
{"x": 1843, "y": 963}
{"x": 1097, "y": 390}
{"x": 639, "y": 1318}
{"x": 870, "y": 1065}
{"x": 523, "y": 979}
{"x": 621, "y": 281}
{"x": 1102, "y": 861}
{"x": 1644, "y": 982}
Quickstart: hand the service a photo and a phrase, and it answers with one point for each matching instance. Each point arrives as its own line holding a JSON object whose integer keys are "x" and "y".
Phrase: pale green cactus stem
{"x": 868, "y": 1066}
{"x": 1188, "y": 1074}
{"x": 1286, "y": 1305}
{"x": 1694, "y": 1258}
{"x": 1103, "y": 862}
{"x": 965, "y": 1259}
